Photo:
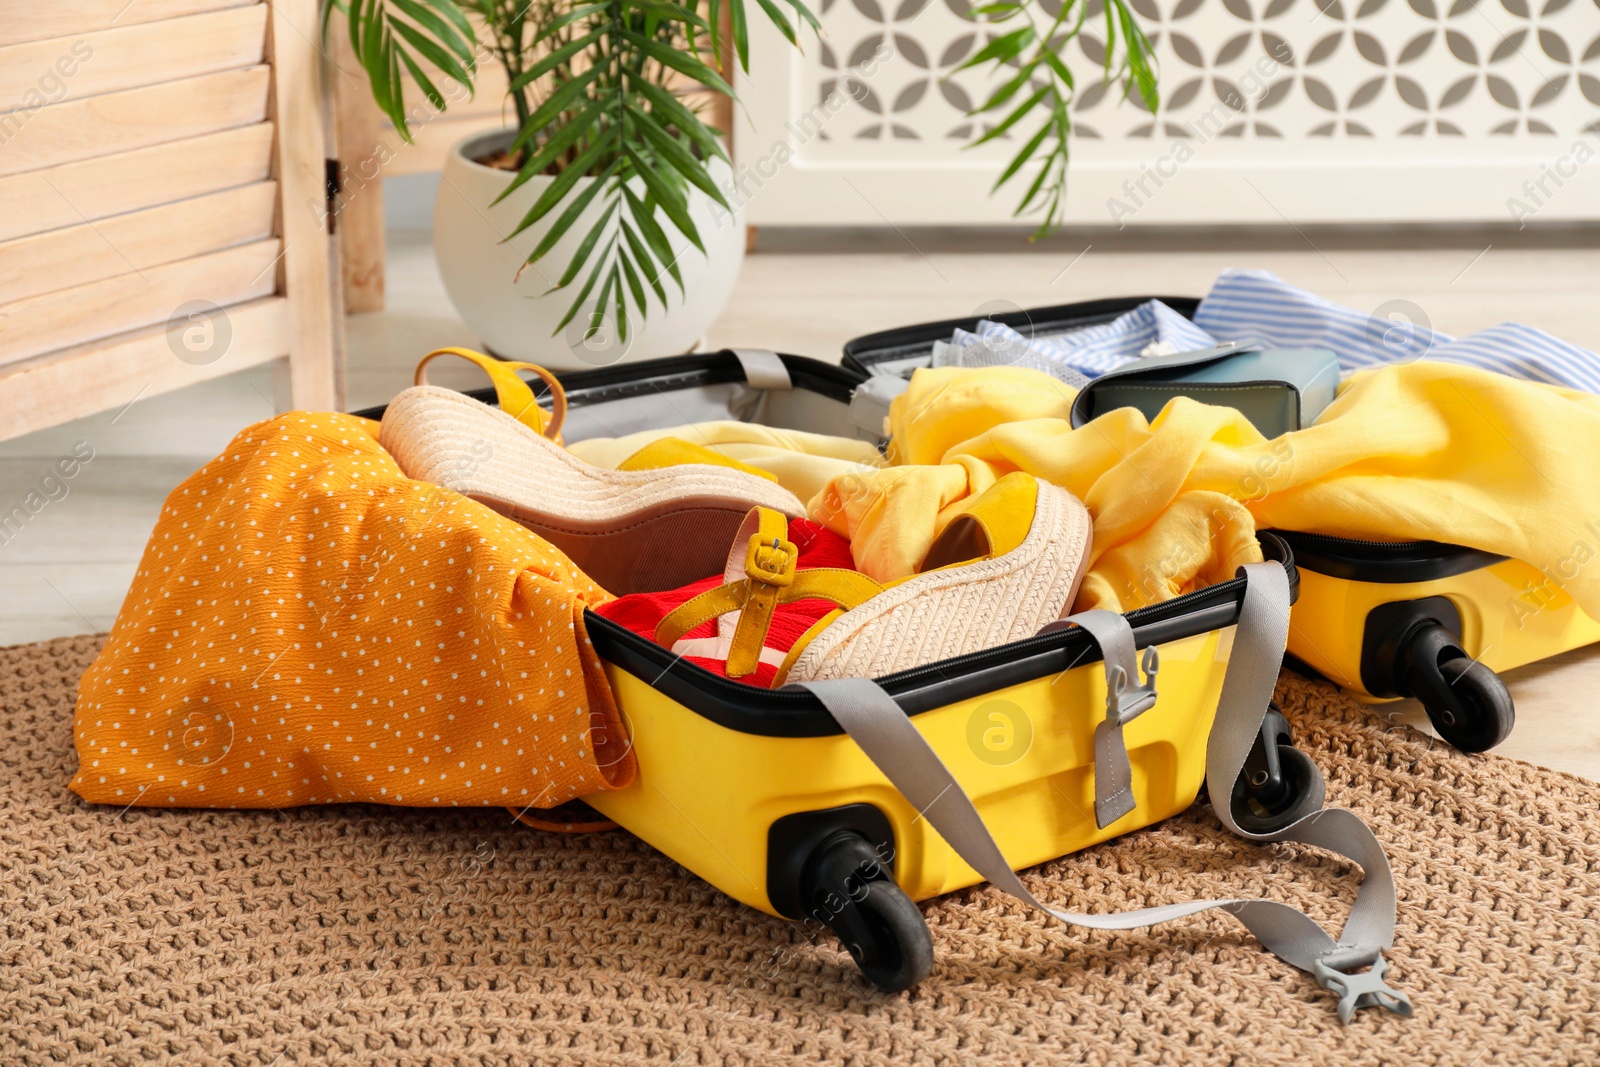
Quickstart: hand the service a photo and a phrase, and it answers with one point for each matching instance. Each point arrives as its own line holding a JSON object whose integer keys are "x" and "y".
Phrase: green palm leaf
{"x": 590, "y": 85}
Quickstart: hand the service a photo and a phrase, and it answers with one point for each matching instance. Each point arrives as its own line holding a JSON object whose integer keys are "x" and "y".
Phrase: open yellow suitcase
{"x": 841, "y": 803}
{"x": 765, "y": 795}
{"x": 1386, "y": 621}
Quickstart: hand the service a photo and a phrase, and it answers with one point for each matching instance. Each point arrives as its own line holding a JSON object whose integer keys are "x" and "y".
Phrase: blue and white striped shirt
{"x": 1256, "y": 307}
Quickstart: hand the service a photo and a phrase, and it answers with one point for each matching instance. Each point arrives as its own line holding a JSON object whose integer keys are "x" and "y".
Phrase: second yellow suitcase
{"x": 1432, "y": 621}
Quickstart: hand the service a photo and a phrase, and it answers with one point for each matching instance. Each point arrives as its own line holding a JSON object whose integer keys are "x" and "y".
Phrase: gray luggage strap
{"x": 887, "y": 736}
{"x": 1126, "y": 700}
{"x": 763, "y": 372}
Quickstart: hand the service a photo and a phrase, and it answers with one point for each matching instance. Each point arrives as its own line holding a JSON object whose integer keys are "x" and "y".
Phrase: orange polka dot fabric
{"x": 309, "y": 626}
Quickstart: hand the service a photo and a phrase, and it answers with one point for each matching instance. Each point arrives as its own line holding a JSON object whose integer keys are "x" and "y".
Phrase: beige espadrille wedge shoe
{"x": 1006, "y": 567}
{"x": 659, "y": 522}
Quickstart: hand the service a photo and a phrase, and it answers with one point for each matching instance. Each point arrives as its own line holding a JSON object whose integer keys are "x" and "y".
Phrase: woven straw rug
{"x": 363, "y": 934}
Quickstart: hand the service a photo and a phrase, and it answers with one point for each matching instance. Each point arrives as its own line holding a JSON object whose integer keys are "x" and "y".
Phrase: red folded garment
{"x": 818, "y": 547}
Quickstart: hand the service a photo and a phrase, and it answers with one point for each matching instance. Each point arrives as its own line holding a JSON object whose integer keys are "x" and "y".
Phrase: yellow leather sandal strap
{"x": 714, "y": 603}
{"x": 711, "y": 604}
{"x": 515, "y": 397}
{"x": 770, "y": 578}
{"x": 996, "y": 523}
{"x": 769, "y": 567}
{"x": 845, "y": 588}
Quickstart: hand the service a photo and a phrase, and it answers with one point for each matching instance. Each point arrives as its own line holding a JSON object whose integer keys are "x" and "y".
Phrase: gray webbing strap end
{"x": 1247, "y": 687}
{"x": 1126, "y": 700}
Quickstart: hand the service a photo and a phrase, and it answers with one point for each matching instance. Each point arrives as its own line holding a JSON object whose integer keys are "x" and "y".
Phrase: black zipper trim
{"x": 673, "y": 373}
{"x": 1384, "y": 562}
{"x": 796, "y": 713}
{"x": 863, "y": 353}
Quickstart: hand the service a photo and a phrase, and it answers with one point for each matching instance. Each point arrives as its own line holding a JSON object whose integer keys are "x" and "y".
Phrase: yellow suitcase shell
{"x": 1430, "y": 620}
{"x": 722, "y": 765}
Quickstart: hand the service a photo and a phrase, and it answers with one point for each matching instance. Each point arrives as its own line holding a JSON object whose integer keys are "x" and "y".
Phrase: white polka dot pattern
{"x": 309, "y": 626}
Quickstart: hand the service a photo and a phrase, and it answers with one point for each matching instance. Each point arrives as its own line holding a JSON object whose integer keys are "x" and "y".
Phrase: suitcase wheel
{"x": 1279, "y": 784}
{"x": 1409, "y": 648}
{"x": 1466, "y": 701}
{"x": 1481, "y": 713}
{"x": 849, "y": 890}
{"x": 889, "y": 941}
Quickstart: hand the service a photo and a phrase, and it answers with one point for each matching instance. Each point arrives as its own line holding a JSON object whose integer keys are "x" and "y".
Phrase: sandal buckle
{"x": 770, "y": 562}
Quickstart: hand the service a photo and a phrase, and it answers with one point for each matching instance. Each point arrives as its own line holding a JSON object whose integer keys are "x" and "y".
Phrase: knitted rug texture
{"x": 364, "y": 934}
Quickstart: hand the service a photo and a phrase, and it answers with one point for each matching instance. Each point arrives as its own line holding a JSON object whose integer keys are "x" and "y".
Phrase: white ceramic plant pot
{"x": 515, "y": 318}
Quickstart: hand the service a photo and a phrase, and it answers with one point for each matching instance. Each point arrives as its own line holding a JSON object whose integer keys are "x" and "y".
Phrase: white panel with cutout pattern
{"x": 1305, "y": 110}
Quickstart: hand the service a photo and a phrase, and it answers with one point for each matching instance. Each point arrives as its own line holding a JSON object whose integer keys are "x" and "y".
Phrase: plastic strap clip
{"x": 1360, "y": 989}
{"x": 1126, "y": 702}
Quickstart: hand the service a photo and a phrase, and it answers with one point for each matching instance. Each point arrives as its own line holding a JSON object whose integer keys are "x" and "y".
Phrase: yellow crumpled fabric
{"x": 802, "y": 462}
{"x": 1427, "y": 451}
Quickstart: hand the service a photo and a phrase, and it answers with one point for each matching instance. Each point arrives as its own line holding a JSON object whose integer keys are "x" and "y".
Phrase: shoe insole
{"x": 647, "y": 552}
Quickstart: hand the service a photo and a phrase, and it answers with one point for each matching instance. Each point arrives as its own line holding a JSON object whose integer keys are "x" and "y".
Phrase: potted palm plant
{"x": 611, "y": 174}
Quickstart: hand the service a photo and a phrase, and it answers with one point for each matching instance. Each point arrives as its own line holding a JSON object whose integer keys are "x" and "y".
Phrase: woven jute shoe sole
{"x": 630, "y": 531}
{"x": 957, "y": 610}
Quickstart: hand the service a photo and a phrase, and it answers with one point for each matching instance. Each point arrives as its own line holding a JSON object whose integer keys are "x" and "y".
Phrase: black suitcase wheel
{"x": 1410, "y": 649}
{"x": 1279, "y": 784}
{"x": 847, "y": 887}
{"x": 1466, "y": 701}
{"x": 1478, "y": 713}
{"x": 887, "y": 938}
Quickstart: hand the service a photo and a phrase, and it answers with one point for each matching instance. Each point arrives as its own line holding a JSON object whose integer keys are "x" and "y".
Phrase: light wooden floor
{"x": 67, "y": 570}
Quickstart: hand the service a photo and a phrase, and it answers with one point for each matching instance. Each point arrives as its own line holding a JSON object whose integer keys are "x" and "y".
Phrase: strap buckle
{"x": 1126, "y": 701}
{"x": 770, "y": 562}
{"x": 1362, "y": 989}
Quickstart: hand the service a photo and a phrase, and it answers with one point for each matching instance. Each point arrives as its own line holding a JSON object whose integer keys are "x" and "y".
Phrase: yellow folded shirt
{"x": 1421, "y": 451}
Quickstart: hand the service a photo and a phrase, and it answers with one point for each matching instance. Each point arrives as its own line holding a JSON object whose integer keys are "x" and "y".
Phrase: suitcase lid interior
{"x": 662, "y": 393}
